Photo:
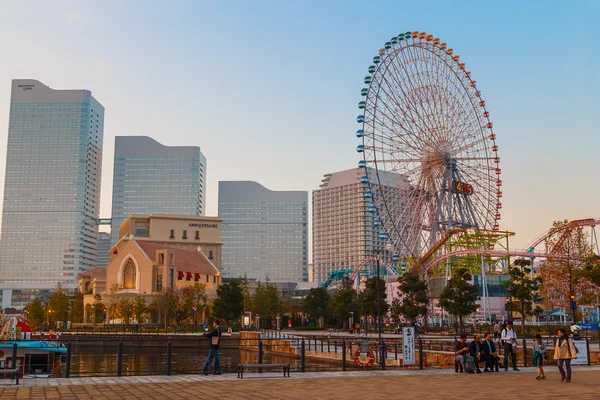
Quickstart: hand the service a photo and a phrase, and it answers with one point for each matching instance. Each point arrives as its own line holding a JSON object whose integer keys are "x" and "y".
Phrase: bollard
{"x": 260, "y": 354}
{"x": 344, "y": 355}
{"x": 119, "y": 359}
{"x": 395, "y": 351}
{"x": 169, "y": 358}
{"x": 321, "y": 346}
{"x": 420, "y": 353}
{"x": 14, "y": 356}
{"x": 303, "y": 357}
{"x": 587, "y": 348}
{"x": 382, "y": 356}
{"x": 328, "y": 346}
{"x": 335, "y": 346}
{"x": 68, "y": 366}
{"x": 524, "y": 351}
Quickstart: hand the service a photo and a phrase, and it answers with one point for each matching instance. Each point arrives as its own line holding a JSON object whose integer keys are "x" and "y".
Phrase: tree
{"x": 248, "y": 299}
{"x": 229, "y": 304}
{"x": 524, "y": 288}
{"x": 265, "y": 301}
{"x": 58, "y": 305}
{"x": 125, "y": 310}
{"x": 395, "y": 311}
{"x": 194, "y": 296}
{"x": 35, "y": 313}
{"x": 139, "y": 308}
{"x": 166, "y": 304}
{"x": 459, "y": 296}
{"x": 77, "y": 308}
{"x": 316, "y": 303}
{"x": 344, "y": 301}
{"x": 368, "y": 297}
{"x": 569, "y": 271}
{"x": 415, "y": 300}
{"x": 98, "y": 310}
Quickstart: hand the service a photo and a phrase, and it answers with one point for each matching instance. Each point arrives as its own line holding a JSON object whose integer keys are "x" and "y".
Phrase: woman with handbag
{"x": 564, "y": 352}
{"x": 539, "y": 355}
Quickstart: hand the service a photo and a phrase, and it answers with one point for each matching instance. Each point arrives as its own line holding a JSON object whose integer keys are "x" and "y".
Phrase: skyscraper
{"x": 104, "y": 245}
{"x": 343, "y": 228}
{"x": 52, "y": 190}
{"x": 265, "y": 233}
{"x": 150, "y": 178}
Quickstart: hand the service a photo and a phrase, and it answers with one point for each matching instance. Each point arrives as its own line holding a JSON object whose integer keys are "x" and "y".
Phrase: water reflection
{"x": 100, "y": 357}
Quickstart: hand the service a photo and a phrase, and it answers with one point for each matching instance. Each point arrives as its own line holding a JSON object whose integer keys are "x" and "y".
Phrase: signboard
{"x": 461, "y": 187}
{"x": 408, "y": 345}
{"x": 589, "y": 327}
{"x": 582, "y": 353}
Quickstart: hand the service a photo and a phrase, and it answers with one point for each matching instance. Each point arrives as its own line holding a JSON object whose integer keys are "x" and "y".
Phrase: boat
{"x": 36, "y": 354}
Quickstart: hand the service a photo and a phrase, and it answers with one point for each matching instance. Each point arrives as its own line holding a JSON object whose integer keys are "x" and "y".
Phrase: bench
{"x": 286, "y": 368}
{"x": 12, "y": 373}
{"x": 459, "y": 368}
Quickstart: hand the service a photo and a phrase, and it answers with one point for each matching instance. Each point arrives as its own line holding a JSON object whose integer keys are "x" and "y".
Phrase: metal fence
{"x": 147, "y": 354}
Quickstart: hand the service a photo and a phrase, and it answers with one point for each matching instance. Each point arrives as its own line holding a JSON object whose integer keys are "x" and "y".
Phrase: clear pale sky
{"x": 269, "y": 90}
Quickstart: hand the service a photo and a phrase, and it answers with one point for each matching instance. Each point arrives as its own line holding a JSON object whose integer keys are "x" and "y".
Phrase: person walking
{"x": 539, "y": 354}
{"x": 213, "y": 354}
{"x": 564, "y": 352}
{"x": 497, "y": 330}
{"x": 509, "y": 337}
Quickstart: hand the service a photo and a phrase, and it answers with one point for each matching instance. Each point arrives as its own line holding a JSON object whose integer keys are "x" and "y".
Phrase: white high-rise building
{"x": 344, "y": 234}
{"x": 151, "y": 178}
{"x": 52, "y": 190}
{"x": 265, "y": 232}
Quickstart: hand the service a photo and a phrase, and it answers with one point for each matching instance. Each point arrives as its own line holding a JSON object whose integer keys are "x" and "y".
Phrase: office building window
{"x": 184, "y": 234}
{"x": 172, "y": 236}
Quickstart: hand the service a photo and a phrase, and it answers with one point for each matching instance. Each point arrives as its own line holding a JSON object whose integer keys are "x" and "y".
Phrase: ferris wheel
{"x": 429, "y": 151}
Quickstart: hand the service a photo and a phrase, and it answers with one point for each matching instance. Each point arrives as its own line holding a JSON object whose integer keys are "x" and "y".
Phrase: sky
{"x": 269, "y": 89}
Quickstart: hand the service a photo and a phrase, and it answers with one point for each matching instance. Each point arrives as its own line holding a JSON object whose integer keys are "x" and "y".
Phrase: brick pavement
{"x": 429, "y": 384}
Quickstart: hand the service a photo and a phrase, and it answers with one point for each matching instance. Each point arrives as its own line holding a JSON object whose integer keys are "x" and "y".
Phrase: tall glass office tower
{"x": 150, "y": 178}
{"x": 264, "y": 232}
{"x": 52, "y": 190}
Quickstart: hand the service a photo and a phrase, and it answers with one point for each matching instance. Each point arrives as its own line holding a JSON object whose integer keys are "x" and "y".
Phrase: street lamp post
{"x": 194, "y": 316}
{"x": 351, "y": 321}
{"x": 510, "y": 294}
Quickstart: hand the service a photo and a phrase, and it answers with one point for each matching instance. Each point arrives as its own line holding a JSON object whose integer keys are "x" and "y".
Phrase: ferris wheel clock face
{"x": 429, "y": 152}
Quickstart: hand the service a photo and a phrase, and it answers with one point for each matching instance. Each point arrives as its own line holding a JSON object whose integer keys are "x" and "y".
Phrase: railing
{"x": 104, "y": 355}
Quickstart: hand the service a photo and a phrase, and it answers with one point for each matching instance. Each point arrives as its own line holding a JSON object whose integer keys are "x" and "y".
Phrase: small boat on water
{"x": 36, "y": 354}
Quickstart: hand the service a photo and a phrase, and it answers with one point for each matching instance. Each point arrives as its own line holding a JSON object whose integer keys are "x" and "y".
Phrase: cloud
{"x": 72, "y": 16}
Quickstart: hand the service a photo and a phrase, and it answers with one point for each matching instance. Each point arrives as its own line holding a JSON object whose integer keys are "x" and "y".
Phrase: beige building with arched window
{"x": 146, "y": 269}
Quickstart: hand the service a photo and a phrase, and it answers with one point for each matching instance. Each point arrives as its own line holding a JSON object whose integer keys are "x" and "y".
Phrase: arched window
{"x": 129, "y": 275}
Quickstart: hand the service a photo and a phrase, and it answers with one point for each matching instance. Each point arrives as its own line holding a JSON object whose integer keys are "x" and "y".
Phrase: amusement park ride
{"x": 432, "y": 176}
{"x": 35, "y": 356}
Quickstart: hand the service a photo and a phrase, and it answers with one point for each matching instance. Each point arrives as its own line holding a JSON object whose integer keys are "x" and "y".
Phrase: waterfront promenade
{"x": 413, "y": 384}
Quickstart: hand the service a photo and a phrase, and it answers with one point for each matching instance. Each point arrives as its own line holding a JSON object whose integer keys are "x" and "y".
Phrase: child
{"x": 539, "y": 353}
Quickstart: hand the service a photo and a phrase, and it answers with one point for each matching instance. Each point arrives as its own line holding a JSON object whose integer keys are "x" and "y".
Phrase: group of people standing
{"x": 471, "y": 355}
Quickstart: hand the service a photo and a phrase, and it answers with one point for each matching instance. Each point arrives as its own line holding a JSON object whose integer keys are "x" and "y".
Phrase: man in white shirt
{"x": 509, "y": 338}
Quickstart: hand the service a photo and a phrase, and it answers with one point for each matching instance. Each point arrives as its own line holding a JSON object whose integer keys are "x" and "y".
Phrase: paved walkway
{"x": 428, "y": 384}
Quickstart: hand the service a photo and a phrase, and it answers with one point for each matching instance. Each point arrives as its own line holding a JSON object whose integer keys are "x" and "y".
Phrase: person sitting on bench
{"x": 475, "y": 349}
{"x": 461, "y": 349}
{"x": 489, "y": 354}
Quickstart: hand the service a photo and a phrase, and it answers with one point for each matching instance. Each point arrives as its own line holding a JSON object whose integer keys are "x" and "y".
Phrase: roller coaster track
{"x": 428, "y": 262}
